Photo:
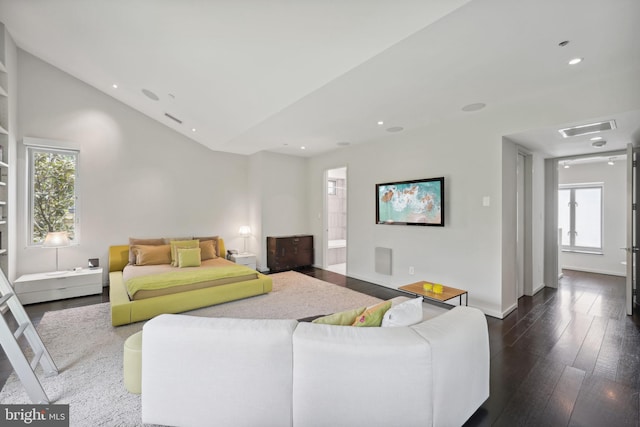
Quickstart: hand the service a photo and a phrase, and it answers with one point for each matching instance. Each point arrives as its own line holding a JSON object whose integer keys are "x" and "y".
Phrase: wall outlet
{"x": 411, "y": 270}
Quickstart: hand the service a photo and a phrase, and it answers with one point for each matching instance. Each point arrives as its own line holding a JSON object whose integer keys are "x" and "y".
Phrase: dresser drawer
{"x": 289, "y": 252}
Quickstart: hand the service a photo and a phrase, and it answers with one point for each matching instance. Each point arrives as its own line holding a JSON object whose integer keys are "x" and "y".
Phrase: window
{"x": 332, "y": 186}
{"x": 580, "y": 217}
{"x": 53, "y": 179}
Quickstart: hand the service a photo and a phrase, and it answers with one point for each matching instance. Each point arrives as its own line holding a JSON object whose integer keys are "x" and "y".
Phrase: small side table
{"x": 32, "y": 288}
{"x": 447, "y": 292}
{"x": 244, "y": 259}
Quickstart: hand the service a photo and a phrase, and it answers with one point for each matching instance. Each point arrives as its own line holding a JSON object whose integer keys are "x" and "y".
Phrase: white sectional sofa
{"x": 239, "y": 372}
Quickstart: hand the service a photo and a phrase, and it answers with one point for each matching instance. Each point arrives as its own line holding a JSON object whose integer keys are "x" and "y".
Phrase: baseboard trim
{"x": 540, "y": 287}
{"x": 595, "y": 270}
{"x": 509, "y": 310}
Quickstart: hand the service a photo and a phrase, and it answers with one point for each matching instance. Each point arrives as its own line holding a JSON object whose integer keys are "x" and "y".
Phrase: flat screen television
{"x": 416, "y": 202}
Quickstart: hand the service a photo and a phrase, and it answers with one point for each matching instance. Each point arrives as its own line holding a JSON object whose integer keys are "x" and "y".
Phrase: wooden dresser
{"x": 289, "y": 252}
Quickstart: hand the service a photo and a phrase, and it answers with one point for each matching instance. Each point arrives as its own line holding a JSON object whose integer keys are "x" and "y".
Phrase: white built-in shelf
{"x": 2, "y": 67}
{"x": 3, "y": 222}
{"x": 3, "y": 130}
{"x": 3, "y": 165}
{"x": 3, "y": 251}
{"x": 3, "y": 184}
{"x": 2, "y": 203}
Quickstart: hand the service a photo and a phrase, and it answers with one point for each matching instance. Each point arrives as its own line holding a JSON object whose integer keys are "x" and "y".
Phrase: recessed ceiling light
{"x": 150, "y": 94}
{"x": 575, "y": 61}
{"x": 380, "y": 123}
{"x": 115, "y": 86}
{"x": 193, "y": 129}
{"x": 566, "y": 165}
{"x": 395, "y": 129}
{"x": 303, "y": 148}
{"x": 596, "y": 138}
{"x": 610, "y": 162}
{"x": 599, "y": 143}
{"x": 474, "y": 107}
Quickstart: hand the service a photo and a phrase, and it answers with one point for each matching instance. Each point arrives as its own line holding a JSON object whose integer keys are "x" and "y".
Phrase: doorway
{"x": 335, "y": 249}
{"x": 591, "y": 195}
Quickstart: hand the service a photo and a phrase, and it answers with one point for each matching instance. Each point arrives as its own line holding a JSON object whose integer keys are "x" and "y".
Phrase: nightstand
{"x": 244, "y": 259}
{"x": 32, "y": 288}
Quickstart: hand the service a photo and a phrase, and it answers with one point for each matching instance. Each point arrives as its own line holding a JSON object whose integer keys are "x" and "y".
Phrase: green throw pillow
{"x": 373, "y": 315}
{"x": 188, "y": 257}
{"x": 344, "y": 318}
{"x": 181, "y": 244}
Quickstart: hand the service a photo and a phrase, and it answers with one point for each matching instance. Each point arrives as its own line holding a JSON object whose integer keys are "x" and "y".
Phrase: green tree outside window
{"x": 53, "y": 192}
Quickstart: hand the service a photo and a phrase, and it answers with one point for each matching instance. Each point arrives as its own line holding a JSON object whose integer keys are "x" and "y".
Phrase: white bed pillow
{"x": 404, "y": 314}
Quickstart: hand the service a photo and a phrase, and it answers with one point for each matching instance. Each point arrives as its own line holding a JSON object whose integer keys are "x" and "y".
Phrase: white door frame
{"x": 325, "y": 216}
{"x": 632, "y": 225}
{"x": 551, "y": 238}
{"x": 521, "y": 224}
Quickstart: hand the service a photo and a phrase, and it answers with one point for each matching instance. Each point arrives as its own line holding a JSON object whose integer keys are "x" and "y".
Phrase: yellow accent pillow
{"x": 343, "y": 318}
{"x": 152, "y": 254}
{"x": 208, "y": 251}
{"x": 148, "y": 242}
{"x": 188, "y": 257}
{"x": 214, "y": 239}
{"x": 185, "y": 244}
{"x": 372, "y": 316}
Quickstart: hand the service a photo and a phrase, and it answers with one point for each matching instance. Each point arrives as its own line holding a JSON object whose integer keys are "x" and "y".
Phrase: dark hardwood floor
{"x": 565, "y": 357}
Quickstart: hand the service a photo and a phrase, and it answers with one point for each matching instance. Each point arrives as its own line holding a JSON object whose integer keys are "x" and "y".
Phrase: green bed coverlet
{"x": 185, "y": 277}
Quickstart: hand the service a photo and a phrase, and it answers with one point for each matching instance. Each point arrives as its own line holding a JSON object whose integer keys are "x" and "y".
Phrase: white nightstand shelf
{"x": 244, "y": 259}
{"x": 32, "y": 288}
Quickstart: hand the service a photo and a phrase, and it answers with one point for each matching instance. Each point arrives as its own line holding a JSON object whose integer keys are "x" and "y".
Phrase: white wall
{"x": 473, "y": 250}
{"x": 614, "y": 216}
{"x": 278, "y": 187}
{"x": 466, "y": 252}
{"x": 137, "y": 177}
{"x": 143, "y": 179}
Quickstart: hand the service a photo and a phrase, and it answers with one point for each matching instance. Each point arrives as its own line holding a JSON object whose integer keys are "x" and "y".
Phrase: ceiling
{"x": 253, "y": 75}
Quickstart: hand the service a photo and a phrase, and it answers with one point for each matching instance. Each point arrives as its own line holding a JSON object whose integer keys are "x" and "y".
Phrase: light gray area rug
{"x": 88, "y": 350}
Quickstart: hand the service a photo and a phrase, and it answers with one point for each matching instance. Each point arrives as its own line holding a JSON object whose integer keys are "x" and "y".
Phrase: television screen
{"x": 417, "y": 202}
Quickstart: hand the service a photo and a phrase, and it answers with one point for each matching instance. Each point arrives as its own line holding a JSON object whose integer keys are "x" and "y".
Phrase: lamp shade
{"x": 245, "y": 230}
{"x": 56, "y": 239}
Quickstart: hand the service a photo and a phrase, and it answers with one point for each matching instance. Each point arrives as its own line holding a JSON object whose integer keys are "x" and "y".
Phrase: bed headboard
{"x": 119, "y": 255}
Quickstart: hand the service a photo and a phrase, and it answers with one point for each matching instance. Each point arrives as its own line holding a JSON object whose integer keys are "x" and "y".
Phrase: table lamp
{"x": 245, "y": 232}
{"x": 56, "y": 240}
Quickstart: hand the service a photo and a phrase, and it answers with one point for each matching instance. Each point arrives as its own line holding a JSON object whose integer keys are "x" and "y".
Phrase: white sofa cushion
{"x": 460, "y": 356}
{"x": 344, "y": 376}
{"x": 404, "y": 314}
{"x": 226, "y": 371}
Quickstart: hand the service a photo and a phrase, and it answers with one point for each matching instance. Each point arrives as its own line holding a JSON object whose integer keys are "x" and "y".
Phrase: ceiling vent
{"x": 587, "y": 129}
{"x": 175, "y": 119}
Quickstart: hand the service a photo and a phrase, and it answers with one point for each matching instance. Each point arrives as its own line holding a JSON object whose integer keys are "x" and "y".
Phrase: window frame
{"x": 572, "y": 247}
{"x": 30, "y": 149}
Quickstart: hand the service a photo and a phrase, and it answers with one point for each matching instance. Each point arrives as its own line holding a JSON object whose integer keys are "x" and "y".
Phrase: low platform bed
{"x": 127, "y": 309}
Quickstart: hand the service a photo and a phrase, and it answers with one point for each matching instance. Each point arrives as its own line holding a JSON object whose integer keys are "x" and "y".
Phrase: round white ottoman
{"x": 132, "y": 362}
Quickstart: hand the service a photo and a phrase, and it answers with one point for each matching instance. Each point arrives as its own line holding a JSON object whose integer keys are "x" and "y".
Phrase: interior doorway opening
{"x": 591, "y": 213}
{"x": 336, "y": 220}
